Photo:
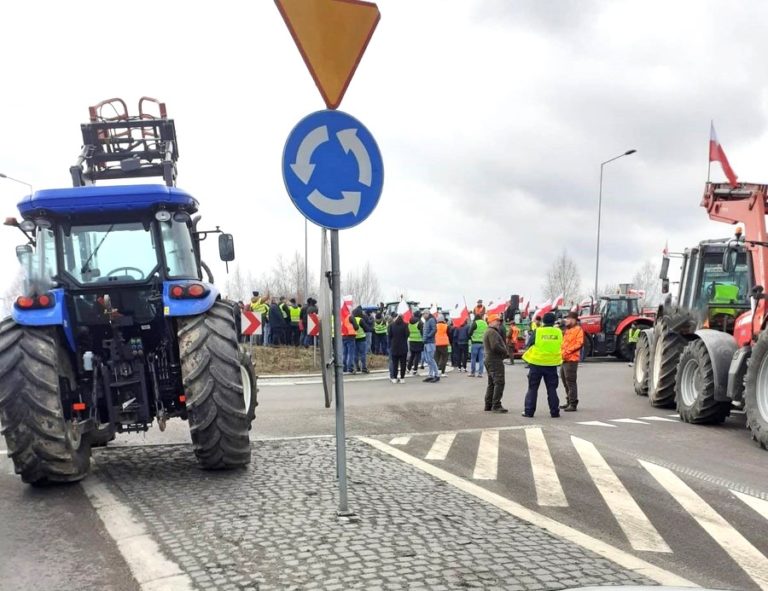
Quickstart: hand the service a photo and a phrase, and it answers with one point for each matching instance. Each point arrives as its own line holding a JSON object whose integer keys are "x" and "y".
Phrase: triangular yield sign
{"x": 332, "y": 36}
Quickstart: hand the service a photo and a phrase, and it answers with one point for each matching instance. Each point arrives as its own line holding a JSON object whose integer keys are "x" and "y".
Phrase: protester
{"x": 632, "y": 337}
{"x": 461, "y": 346}
{"x": 476, "y": 334}
{"x": 361, "y": 345}
{"x": 479, "y": 309}
{"x": 398, "y": 333}
{"x": 543, "y": 356}
{"x": 285, "y": 312}
{"x": 512, "y": 335}
{"x": 495, "y": 354}
{"x": 573, "y": 341}
{"x": 310, "y": 308}
{"x": 259, "y": 306}
{"x": 415, "y": 344}
{"x": 428, "y": 335}
{"x": 380, "y": 334}
{"x": 277, "y": 324}
{"x": 368, "y": 327}
{"x": 294, "y": 314}
{"x": 442, "y": 342}
{"x": 349, "y": 329}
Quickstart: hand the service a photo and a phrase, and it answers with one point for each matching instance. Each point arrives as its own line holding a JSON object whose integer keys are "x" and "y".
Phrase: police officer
{"x": 543, "y": 358}
{"x": 495, "y": 354}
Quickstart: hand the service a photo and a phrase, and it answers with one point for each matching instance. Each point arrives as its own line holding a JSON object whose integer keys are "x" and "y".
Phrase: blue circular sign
{"x": 333, "y": 170}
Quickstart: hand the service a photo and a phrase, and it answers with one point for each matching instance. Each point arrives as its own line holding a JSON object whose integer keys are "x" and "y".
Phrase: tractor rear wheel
{"x": 44, "y": 446}
{"x": 666, "y": 355}
{"x": 218, "y": 406}
{"x": 756, "y": 391}
{"x": 623, "y": 349}
{"x": 695, "y": 389}
{"x": 641, "y": 377}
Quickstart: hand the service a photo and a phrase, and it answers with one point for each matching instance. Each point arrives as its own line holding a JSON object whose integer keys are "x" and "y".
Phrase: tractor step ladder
{"x": 117, "y": 145}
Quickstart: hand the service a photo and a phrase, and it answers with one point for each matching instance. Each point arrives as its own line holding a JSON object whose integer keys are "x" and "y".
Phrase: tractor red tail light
{"x": 44, "y": 300}
{"x": 183, "y": 399}
{"x": 177, "y": 291}
{"x": 25, "y": 302}
{"x": 78, "y": 406}
{"x": 196, "y": 290}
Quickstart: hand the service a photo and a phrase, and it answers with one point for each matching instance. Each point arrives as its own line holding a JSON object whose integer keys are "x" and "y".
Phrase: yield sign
{"x": 250, "y": 323}
{"x": 332, "y": 36}
{"x": 313, "y": 324}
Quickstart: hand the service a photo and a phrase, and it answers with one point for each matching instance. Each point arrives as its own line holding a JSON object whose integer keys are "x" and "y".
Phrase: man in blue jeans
{"x": 428, "y": 335}
{"x": 543, "y": 356}
{"x": 476, "y": 333}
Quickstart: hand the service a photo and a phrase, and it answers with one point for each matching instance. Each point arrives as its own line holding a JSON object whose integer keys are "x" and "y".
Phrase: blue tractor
{"x": 119, "y": 324}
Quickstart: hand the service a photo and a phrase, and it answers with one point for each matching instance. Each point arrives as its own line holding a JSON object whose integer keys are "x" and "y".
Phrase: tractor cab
{"x": 607, "y": 329}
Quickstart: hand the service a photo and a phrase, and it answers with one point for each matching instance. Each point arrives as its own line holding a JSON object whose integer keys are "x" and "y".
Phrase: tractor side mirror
{"x": 730, "y": 256}
{"x": 226, "y": 248}
{"x": 23, "y": 253}
{"x": 665, "y": 285}
{"x": 664, "y": 271}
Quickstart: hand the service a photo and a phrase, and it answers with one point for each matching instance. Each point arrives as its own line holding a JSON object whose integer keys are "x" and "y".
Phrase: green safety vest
{"x": 360, "y": 332}
{"x": 414, "y": 333}
{"x": 480, "y": 330}
{"x": 634, "y": 335}
{"x": 295, "y": 314}
{"x": 725, "y": 293}
{"x": 380, "y": 328}
{"x": 546, "y": 348}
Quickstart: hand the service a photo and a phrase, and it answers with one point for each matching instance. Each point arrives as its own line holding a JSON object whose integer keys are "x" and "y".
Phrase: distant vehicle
{"x": 607, "y": 329}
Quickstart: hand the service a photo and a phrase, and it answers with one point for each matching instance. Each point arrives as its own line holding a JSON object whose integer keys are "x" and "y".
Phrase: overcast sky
{"x": 492, "y": 116}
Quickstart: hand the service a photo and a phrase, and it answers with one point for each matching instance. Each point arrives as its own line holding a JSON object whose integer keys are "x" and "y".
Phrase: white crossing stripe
{"x": 549, "y": 492}
{"x": 631, "y": 421}
{"x": 630, "y": 517}
{"x": 759, "y": 505}
{"x": 487, "y": 463}
{"x": 400, "y": 440}
{"x": 660, "y": 419}
{"x": 596, "y": 424}
{"x": 676, "y": 415}
{"x": 737, "y": 546}
{"x": 441, "y": 447}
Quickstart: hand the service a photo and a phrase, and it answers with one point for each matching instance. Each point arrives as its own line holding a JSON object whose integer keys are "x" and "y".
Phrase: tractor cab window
{"x": 39, "y": 265}
{"x": 109, "y": 252}
{"x": 179, "y": 254}
{"x": 718, "y": 287}
{"x": 614, "y": 311}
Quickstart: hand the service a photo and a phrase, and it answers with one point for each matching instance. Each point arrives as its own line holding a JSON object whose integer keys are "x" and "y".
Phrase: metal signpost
{"x": 332, "y": 166}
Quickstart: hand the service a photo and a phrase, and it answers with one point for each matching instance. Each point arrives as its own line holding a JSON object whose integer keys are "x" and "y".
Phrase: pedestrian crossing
{"x": 579, "y": 482}
{"x": 630, "y": 421}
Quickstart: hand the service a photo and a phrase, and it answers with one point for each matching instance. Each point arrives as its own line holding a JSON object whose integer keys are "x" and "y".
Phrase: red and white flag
{"x": 526, "y": 309}
{"x": 665, "y": 252}
{"x": 497, "y": 306}
{"x": 404, "y": 310}
{"x": 717, "y": 154}
{"x": 559, "y": 301}
{"x": 543, "y": 309}
{"x": 346, "y": 307}
{"x": 459, "y": 315}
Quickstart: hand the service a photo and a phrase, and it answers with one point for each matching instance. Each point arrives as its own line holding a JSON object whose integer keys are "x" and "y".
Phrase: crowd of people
{"x": 284, "y": 321}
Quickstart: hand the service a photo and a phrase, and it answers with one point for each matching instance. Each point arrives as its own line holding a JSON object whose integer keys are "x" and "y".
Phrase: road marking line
{"x": 487, "y": 463}
{"x": 631, "y": 421}
{"x": 151, "y": 569}
{"x": 759, "y": 505}
{"x": 620, "y": 557}
{"x": 737, "y": 546}
{"x": 630, "y": 517}
{"x": 676, "y": 415}
{"x": 400, "y": 440}
{"x": 660, "y": 419}
{"x": 595, "y": 424}
{"x": 549, "y": 492}
{"x": 3, "y": 452}
{"x": 458, "y": 431}
{"x": 441, "y": 447}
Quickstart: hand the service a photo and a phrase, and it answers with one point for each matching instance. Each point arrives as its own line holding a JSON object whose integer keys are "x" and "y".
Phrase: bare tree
{"x": 287, "y": 278}
{"x": 647, "y": 279}
{"x": 563, "y": 278}
{"x": 362, "y": 285}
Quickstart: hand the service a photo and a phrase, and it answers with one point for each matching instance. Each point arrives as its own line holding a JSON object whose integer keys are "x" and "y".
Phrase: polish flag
{"x": 404, "y": 310}
{"x": 559, "y": 301}
{"x": 497, "y": 306}
{"x": 717, "y": 154}
{"x": 459, "y": 315}
{"x": 524, "y": 313}
{"x": 543, "y": 309}
{"x": 346, "y": 307}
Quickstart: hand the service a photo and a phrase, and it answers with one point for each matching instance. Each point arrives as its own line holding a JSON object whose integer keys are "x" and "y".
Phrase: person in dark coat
{"x": 277, "y": 324}
{"x": 397, "y": 334}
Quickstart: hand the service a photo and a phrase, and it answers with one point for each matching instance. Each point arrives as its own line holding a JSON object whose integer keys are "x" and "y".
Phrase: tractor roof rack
{"x": 117, "y": 145}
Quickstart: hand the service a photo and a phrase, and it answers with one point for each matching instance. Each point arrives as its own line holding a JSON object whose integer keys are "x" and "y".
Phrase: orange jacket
{"x": 513, "y": 334}
{"x": 573, "y": 341}
{"x": 441, "y": 337}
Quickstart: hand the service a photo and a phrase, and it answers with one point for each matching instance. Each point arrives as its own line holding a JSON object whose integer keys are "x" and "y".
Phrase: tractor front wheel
{"x": 756, "y": 391}
{"x": 666, "y": 355}
{"x": 695, "y": 388}
{"x": 641, "y": 376}
{"x": 218, "y": 406}
{"x": 44, "y": 446}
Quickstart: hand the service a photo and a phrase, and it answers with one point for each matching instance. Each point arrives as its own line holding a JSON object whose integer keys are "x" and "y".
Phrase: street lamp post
{"x": 10, "y": 178}
{"x": 600, "y": 213}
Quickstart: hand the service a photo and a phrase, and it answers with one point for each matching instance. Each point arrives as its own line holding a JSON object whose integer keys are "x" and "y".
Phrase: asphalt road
{"x": 691, "y": 499}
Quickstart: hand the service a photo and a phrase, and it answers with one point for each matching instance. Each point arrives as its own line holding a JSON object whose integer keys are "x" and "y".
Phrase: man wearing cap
{"x": 573, "y": 341}
{"x": 495, "y": 354}
{"x": 543, "y": 357}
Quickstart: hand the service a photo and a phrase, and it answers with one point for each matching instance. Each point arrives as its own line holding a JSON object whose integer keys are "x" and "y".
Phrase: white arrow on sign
{"x": 350, "y": 203}
{"x": 313, "y": 325}
{"x": 350, "y": 142}
{"x": 303, "y": 167}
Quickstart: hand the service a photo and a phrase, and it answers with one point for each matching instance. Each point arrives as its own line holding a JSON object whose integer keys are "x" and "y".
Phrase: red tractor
{"x": 607, "y": 328}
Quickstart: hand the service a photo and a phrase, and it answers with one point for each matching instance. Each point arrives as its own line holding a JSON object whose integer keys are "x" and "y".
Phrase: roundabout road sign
{"x": 333, "y": 170}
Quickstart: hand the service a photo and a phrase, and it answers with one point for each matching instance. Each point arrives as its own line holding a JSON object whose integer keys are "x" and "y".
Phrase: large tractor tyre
{"x": 677, "y": 320}
{"x": 623, "y": 348}
{"x": 756, "y": 391}
{"x": 664, "y": 371}
{"x": 44, "y": 446}
{"x": 250, "y": 388}
{"x": 589, "y": 347}
{"x": 100, "y": 436}
{"x": 695, "y": 389}
{"x": 213, "y": 383}
{"x": 642, "y": 369}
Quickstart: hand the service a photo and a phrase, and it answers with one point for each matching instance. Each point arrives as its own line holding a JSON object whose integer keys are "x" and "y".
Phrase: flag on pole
{"x": 665, "y": 252}
{"x": 526, "y": 309}
{"x": 559, "y": 301}
{"x": 404, "y": 310}
{"x": 717, "y": 154}
{"x": 497, "y": 306}
{"x": 346, "y": 307}
{"x": 459, "y": 315}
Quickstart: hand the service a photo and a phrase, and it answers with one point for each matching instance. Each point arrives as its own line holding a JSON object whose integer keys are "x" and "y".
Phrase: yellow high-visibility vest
{"x": 546, "y": 348}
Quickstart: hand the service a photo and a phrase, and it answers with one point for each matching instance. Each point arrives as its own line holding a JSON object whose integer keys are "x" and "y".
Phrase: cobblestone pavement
{"x": 273, "y": 526}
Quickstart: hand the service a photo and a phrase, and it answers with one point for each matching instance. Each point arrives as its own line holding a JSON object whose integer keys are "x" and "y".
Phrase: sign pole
{"x": 341, "y": 436}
